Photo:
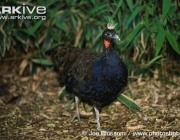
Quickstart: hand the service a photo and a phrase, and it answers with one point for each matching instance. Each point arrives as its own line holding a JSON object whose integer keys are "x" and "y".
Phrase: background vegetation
{"x": 149, "y": 31}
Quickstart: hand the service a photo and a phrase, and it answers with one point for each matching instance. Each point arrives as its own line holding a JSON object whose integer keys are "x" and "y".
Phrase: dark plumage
{"x": 93, "y": 77}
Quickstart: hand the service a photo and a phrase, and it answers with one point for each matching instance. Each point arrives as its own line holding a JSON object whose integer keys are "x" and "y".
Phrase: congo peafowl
{"x": 92, "y": 77}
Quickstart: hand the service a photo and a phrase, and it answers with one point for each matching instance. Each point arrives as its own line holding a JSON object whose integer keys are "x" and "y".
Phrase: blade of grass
{"x": 130, "y": 92}
{"x": 69, "y": 104}
{"x": 152, "y": 61}
{"x": 62, "y": 94}
{"x": 129, "y": 103}
{"x": 43, "y": 62}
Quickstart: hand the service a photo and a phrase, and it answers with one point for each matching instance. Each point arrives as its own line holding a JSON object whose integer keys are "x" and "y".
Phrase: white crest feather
{"x": 111, "y": 26}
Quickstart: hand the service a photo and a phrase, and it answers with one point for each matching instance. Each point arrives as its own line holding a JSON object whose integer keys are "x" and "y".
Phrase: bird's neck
{"x": 108, "y": 46}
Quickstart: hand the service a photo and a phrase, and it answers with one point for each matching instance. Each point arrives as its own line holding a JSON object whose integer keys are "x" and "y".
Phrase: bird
{"x": 93, "y": 77}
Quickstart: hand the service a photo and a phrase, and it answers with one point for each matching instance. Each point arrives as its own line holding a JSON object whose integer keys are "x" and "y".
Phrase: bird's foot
{"x": 77, "y": 114}
{"x": 98, "y": 122}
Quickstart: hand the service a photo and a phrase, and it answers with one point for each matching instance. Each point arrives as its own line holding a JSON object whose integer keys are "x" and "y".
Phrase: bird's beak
{"x": 116, "y": 37}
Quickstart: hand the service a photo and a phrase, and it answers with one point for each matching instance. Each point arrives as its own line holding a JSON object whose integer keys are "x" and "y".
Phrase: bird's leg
{"x": 77, "y": 114}
{"x": 97, "y": 118}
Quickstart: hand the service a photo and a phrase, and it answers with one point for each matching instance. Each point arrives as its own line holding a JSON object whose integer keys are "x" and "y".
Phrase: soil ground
{"x": 30, "y": 109}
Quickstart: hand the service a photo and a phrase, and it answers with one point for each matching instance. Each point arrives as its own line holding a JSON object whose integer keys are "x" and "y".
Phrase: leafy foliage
{"x": 146, "y": 27}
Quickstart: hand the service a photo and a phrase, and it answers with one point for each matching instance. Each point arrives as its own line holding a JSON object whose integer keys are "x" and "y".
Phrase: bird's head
{"x": 109, "y": 35}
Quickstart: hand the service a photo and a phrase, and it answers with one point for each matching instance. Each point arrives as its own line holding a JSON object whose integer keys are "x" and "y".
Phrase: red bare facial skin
{"x": 106, "y": 43}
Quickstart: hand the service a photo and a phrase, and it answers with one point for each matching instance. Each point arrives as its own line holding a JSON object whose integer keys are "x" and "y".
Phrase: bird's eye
{"x": 108, "y": 34}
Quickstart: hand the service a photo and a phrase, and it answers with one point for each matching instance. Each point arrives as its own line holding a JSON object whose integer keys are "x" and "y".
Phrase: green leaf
{"x": 117, "y": 7}
{"x": 69, "y": 104}
{"x": 32, "y": 30}
{"x": 130, "y": 4}
{"x": 129, "y": 103}
{"x": 150, "y": 8}
{"x": 165, "y": 7}
{"x": 159, "y": 25}
{"x": 93, "y": 2}
{"x": 53, "y": 12}
{"x": 152, "y": 61}
{"x": 98, "y": 9}
{"x": 84, "y": 106}
{"x": 61, "y": 26}
{"x": 61, "y": 96}
{"x": 46, "y": 48}
{"x": 134, "y": 33}
{"x": 159, "y": 41}
{"x": 8, "y": 41}
{"x": 130, "y": 93}
{"x": 146, "y": 19}
{"x": 28, "y": 32}
{"x": 43, "y": 62}
{"x": 133, "y": 15}
{"x": 172, "y": 12}
{"x": 22, "y": 36}
{"x": 2, "y": 45}
{"x": 35, "y": 27}
{"x": 51, "y": 3}
{"x": 34, "y": 69}
{"x": 171, "y": 39}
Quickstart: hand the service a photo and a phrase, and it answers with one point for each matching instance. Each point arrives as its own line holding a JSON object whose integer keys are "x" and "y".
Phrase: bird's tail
{"x": 64, "y": 57}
